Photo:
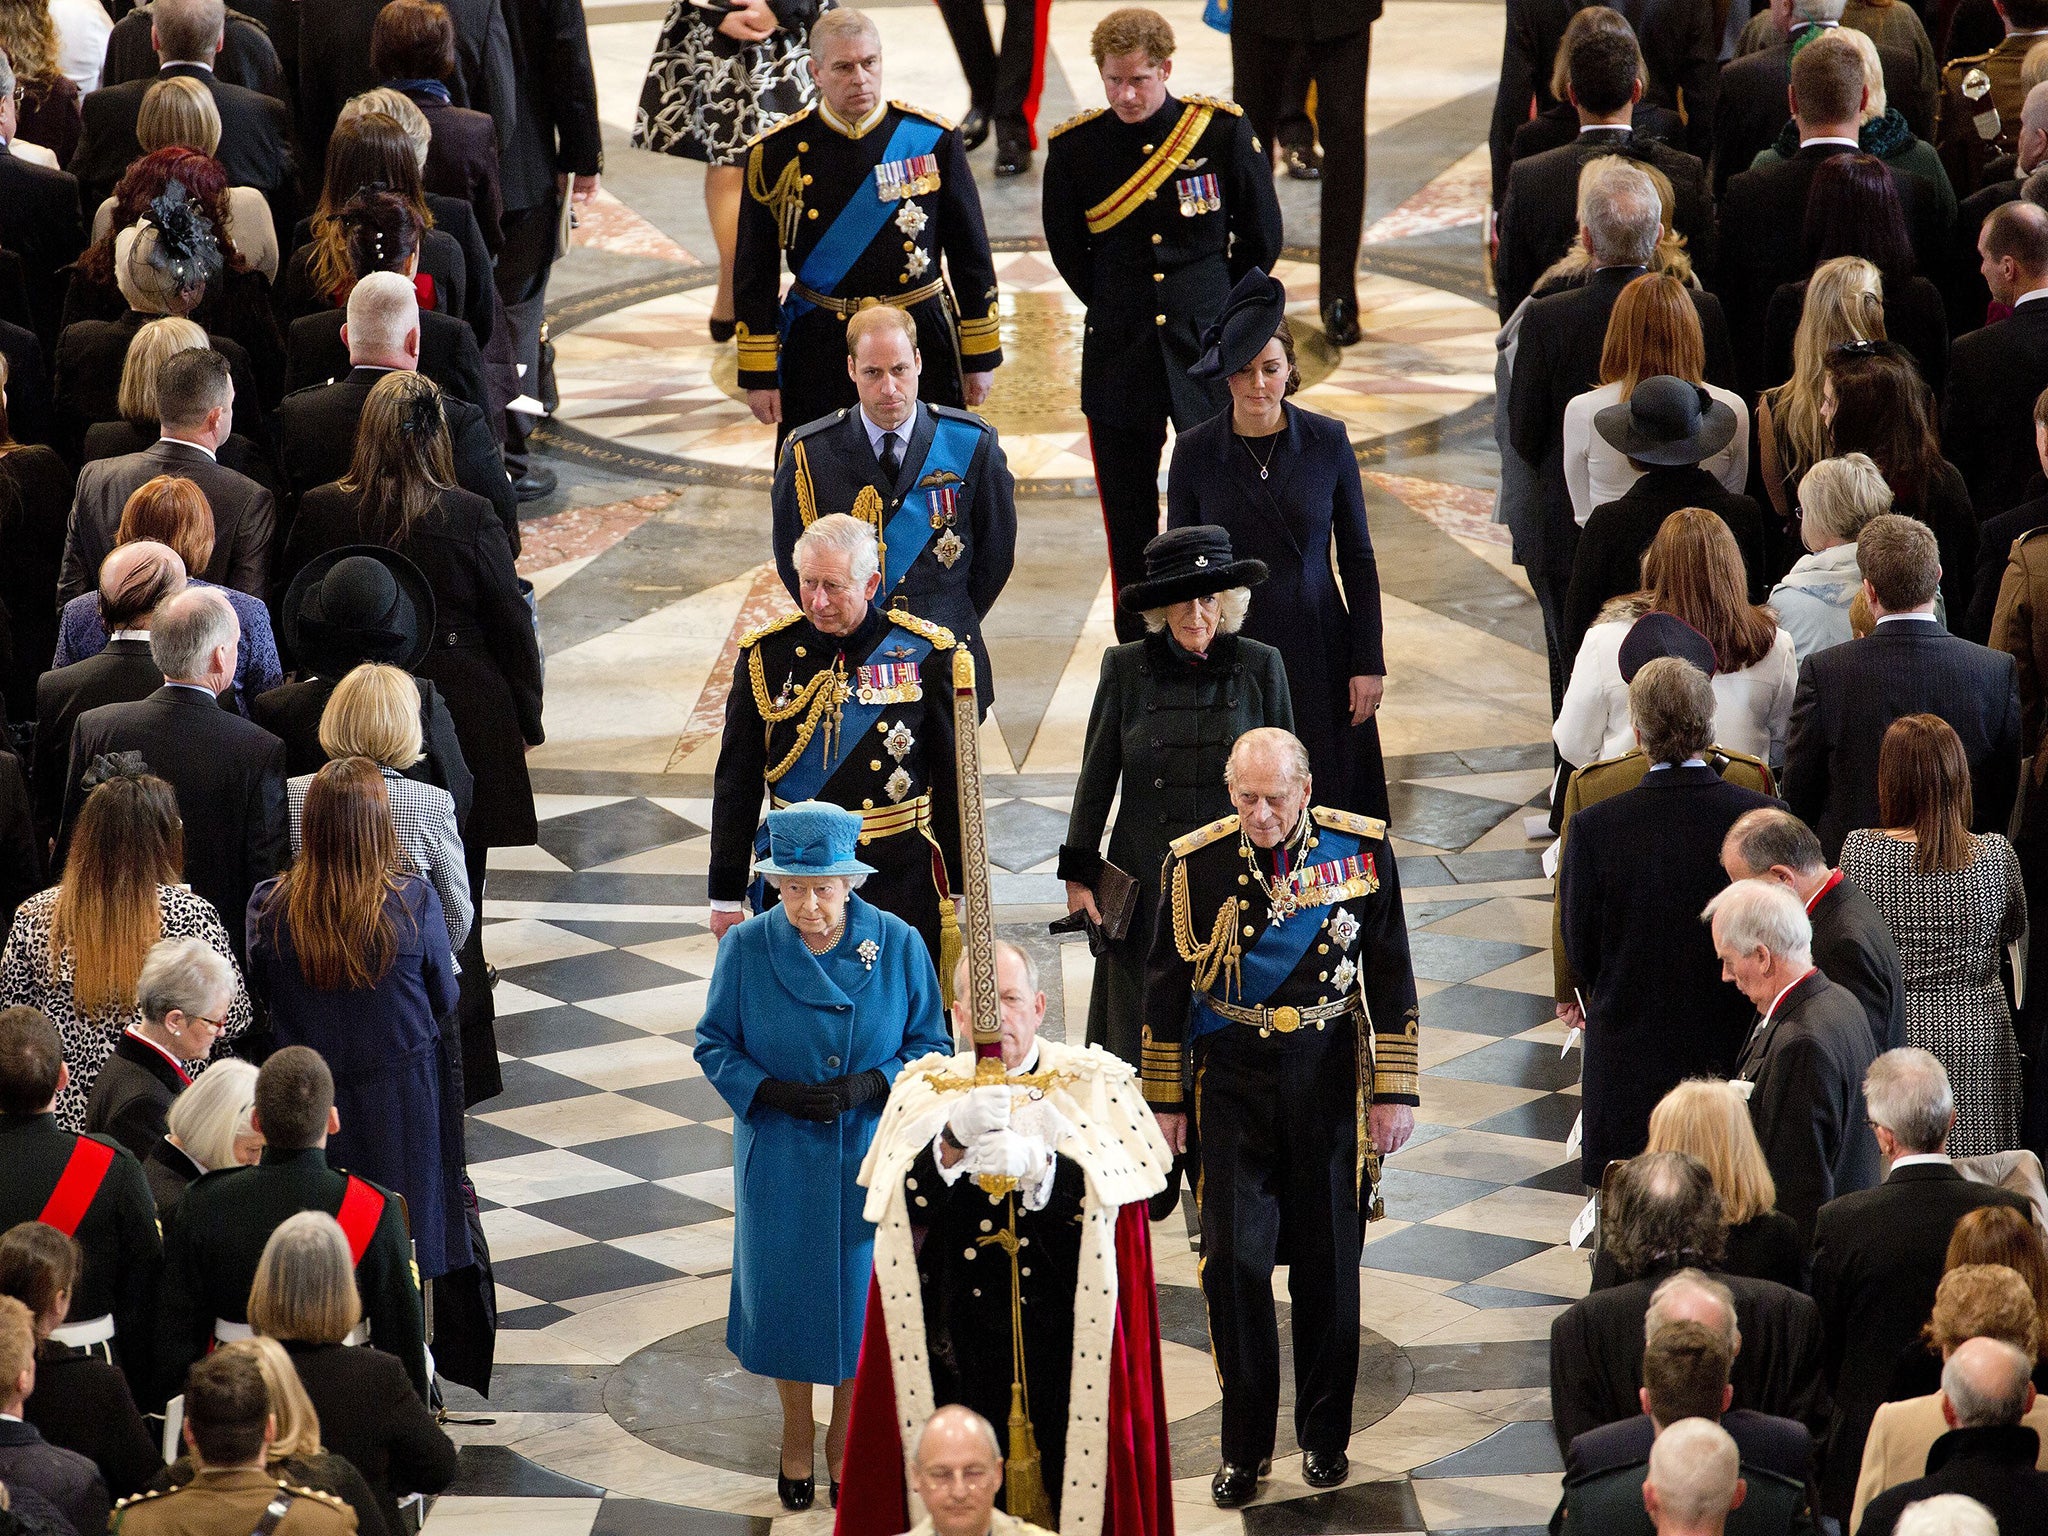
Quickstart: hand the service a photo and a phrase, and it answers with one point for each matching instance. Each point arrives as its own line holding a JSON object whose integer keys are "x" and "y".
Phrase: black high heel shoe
{"x": 835, "y": 1490}
{"x": 721, "y": 330}
{"x": 796, "y": 1493}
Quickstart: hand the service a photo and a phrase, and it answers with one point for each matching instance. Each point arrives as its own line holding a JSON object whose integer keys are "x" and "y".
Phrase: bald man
{"x": 1996, "y": 373}
{"x": 1988, "y": 1454}
{"x": 957, "y": 1468}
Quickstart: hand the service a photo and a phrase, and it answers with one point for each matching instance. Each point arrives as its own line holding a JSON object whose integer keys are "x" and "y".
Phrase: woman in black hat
{"x": 1166, "y": 711}
{"x": 1283, "y": 483}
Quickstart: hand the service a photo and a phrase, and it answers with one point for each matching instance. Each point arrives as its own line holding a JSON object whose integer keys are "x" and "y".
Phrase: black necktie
{"x": 892, "y": 458}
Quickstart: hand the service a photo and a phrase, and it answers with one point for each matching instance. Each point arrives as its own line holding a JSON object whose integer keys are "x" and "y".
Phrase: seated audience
{"x": 227, "y": 775}
{"x": 1849, "y": 695}
{"x": 305, "y": 1298}
{"x": 209, "y": 1126}
{"x": 1967, "y": 294}
{"x": 1844, "y": 303}
{"x": 1693, "y": 571}
{"x": 76, "y": 951}
{"x": 81, "y": 1402}
{"x": 105, "y": 1205}
{"x": 1836, "y": 498}
{"x": 351, "y": 956}
{"x": 1988, "y": 1454}
{"x": 185, "y": 995}
{"x": 1707, "y": 1119}
{"x": 1953, "y": 901}
{"x": 63, "y": 1478}
{"x": 139, "y": 426}
{"x": 135, "y": 580}
{"x": 1996, "y": 373}
{"x": 374, "y": 714}
{"x": 178, "y": 112}
{"x": 216, "y": 1245}
{"x": 172, "y": 510}
{"x": 1996, "y": 549}
{"x": 1991, "y": 1233}
{"x": 412, "y": 48}
{"x": 196, "y": 401}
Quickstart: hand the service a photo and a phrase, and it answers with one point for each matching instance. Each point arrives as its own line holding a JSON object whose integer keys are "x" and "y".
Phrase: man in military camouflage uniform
{"x": 1283, "y": 954}
{"x": 852, "y": 704}
{"x": 867, "y": 197}
{"x": 1977, "y": 117}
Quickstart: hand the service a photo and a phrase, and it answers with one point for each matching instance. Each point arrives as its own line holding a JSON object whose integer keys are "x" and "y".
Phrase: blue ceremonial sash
{"x": 1276, "y": 952}
{"x": 855, "y": 226}
{"x": 910, "y": 530}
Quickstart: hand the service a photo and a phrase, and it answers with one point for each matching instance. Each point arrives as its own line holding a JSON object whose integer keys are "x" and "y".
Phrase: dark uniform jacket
{"x": 1964, "y": 150}
{"x": 132, "y": 1095}
{"x": 123, "y": 1256}
{"x": 802, "y": 176}
{"x": 1994, "y": 1465}
{"x": 774, "y": 668}
{"x": 1214, "y": 912}
{"x": 1154, "y": 278}
{"x": 216, "y": 1240}
{"x": 828, "y": 466}
{"x": 230, "y": 1499}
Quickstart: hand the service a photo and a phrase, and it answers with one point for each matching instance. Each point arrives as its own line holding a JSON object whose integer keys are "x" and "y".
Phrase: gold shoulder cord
{"x": 785, "y": 199}
{"x": 867, "y": 506}
{"x": 1222, "y": 953}
{"x": 806, "y": 497}
{"x": 826, "y": 691}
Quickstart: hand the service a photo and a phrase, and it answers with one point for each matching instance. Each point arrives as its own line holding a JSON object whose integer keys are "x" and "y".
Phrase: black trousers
{"x": 524, "y": 262}
{"x": 1127, "y": 455}
{"x": 1260, "y": 67}
{"x": 1278, "y": 1121}
{"x": 1005, "y": 85}
{"x": 1297, "y": 130}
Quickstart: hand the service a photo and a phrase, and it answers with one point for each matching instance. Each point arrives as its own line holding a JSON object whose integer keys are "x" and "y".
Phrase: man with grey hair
{"x": 850, "y": 703}
{"x": 1280, "y": 957}
{"x": 957, "y": 1470}
{"x": 1803, "y": 1067}
{"x": 1634, "y": 872}
{"x": 1987, "y": 1455}
{"x": 1851, "y": 943}
{"x": 1879, "y": 1254}
{"x": 228, "y": 774}
{"x": 1695, "y": 1479}
{"x": 190, "y": 998}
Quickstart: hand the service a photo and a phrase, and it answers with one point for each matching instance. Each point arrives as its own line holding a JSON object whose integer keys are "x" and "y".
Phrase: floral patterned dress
{"x": 707, "y": 96}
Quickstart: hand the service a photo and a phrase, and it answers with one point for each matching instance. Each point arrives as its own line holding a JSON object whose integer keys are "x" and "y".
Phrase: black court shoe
{"x": 1324, "y": 1469}
{"x": 796, "y": 1493}
{"x": 974, "y": 128}
{"x": 834, "y": 1482}
{"x": 1234, "y": 1485}
{"x": 1340, "y": 322}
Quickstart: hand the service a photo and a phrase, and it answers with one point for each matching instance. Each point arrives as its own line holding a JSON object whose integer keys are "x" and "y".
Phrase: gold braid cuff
{"x": 1221, "y": 955}
{"x": 825, "y": 691}
{"x": 1396, "y": 1060}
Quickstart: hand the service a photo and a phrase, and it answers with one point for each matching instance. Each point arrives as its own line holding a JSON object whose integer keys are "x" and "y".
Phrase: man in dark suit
{"x": 1995, "y": 374}
{"x": 317, "y": 353}
{"x": 1663, "y": 1223}
{"x": 1807, "y": 1055}
{"x": 135, "y": 580}
{"x": 1851, "y": 943}
{"x": 29, "y": 1464}
{"x": 196, "y": 408}
{"x": 1878, "y": 1254}
{"x": 39, "y": 220}
{"x": 1768, "y": 203}
{"x": 1636, "y": 870}
{"x": 1962, "y": 282}
{"x": 1849, "y": 695}
{"x": 1557, "y": 355}
{"x": 1997, "y": 537}
{"x": 1988, "y": 1455}
{"x": 1540, "y": 218}
{"x": 1750, "y": 106}
{"x": 30, "y": 415}
{"x": 949, "y": 560}
{"x": 227, "y": 773}
{"x": 383, "y": 332}
{"x": 256, "y": 138}
{"x": 247, "y": 57}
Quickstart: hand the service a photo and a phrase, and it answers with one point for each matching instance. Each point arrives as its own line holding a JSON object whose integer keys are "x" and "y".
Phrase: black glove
{"x": 859, "y": 1088}
{"x": 804, "y": 1101}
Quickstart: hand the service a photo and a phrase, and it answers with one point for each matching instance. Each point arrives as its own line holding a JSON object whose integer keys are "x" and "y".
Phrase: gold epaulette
{"x": 1734, "y": 756}
{"x": 333, "y": 1501}
{"x": 940, "y": 636}
{"x": 1221, "y": 104}
{"x": 1202, "y": 837}
{"x": 2016, "y": 543}
{"x": 753, "y": 636}
{"x": 923, "y": 112}
{"x": 1076, "y": 121}
{"x": 137, "y": 1498}
{"x": 776, "y": 127}
{"x": 1348, "y": 821}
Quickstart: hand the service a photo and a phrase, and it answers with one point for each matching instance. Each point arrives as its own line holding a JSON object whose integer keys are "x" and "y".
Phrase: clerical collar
{"x": 1028, "y": 1064}
{"x": 857, "y": 130}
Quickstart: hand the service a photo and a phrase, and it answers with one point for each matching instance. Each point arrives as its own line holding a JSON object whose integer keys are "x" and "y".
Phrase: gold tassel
{"x": 949, "y": 949}
{"x": 1023, "y": 1483}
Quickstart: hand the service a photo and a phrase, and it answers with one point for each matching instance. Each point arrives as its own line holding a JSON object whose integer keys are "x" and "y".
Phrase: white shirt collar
{"x": 1772, "y": 1010}
{"x": 852, "y": 130}
{"x": 185, "y": 64}
{"x": 172, "y": 682}
{"x": 1908, "y": 618}
{"x": 130, "y": 634}
{"x": 876, "y": 433}
{"x": 2029, "y": 296}
{"x": 1690, "y": 762}
{"x": 1920, "y": 1157}
{"x": 186, "y": 442}
{"x": 1605, "y": 128}
{"x": 1829, "y": 138}
{"x": 1029, "y": 1063}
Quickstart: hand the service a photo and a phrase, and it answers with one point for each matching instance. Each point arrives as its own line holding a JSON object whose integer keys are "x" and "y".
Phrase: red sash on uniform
{"x": 361, "y": 1209}
{"x": 77, "y": 1184}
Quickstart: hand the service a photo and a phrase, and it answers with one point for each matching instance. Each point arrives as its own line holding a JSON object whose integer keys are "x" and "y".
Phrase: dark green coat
{"x": 216, "y": 1239}
{"x": 1162, "y": 725}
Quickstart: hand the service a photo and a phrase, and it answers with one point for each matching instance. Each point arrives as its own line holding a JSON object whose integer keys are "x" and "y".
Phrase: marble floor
{"x": 605, "y": 1166}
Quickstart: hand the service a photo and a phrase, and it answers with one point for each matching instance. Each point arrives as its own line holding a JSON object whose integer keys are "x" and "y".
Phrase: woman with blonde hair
{"x": 211, "y": 1126}
{"x": 304, "y": 1299}
{"x": 178, "y": 112}
{"x": 137, "y": 429}
{"x": 1654, "y": 330}
{"x": 76, "y": 950}
{"x": 1693, "y": 570}
{"x": 1844, "y": 303}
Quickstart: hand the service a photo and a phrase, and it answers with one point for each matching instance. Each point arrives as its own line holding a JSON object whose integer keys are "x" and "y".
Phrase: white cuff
{"x": 728, "y": 906}
{"x": 948, "y": 1176}
{"x": 1036, "y": 1195}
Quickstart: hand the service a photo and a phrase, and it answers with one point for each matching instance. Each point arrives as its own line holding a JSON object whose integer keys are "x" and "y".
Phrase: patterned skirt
{"x": 705, "y": 100}
{"x": 1970, "y": 1030}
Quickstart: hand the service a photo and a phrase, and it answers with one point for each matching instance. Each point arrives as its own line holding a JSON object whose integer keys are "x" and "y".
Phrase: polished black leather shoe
{"x": 1013, "y": 152}
{"x": 1324, "y": 1469}
{"x": 1340, "y": 322}
{"x": 537, "y": 482}
{"x": 1234, "y": 1485}
{"x": 796, "y": 1493}
{"x": 974, "y": 128}
{"x": 1304, "y": 163}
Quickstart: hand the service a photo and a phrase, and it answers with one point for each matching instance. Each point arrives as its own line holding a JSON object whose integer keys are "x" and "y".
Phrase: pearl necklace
{"x": 831, "y": 939}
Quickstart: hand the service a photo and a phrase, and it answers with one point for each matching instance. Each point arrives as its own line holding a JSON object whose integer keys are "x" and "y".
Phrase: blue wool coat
{"x": 802, "y": 1251}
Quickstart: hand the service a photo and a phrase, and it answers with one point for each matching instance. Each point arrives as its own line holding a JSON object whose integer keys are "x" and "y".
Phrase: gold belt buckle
{"x": 1286, "y": 1018}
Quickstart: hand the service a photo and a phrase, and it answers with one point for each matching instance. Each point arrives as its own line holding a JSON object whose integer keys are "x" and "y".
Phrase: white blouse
{"x": 1752, "y": 708}
{"x": 1597, "y": 474}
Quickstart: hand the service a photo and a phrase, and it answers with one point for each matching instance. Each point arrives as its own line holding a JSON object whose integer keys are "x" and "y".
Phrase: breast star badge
{"x": 1343, "y": 928}
{"x": 911, "y": 219}
{"x": 897, "y": 785}
{"x": 899, "y": 741}
{"x": 948, "y": 549}
{"x": 1344, "y": 975}
{"x": 914, "y": 262}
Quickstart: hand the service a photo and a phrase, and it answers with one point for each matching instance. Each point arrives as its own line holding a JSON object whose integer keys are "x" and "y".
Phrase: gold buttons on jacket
{"x": 1159, "y": 319}
{"x": 1157, "y": 239}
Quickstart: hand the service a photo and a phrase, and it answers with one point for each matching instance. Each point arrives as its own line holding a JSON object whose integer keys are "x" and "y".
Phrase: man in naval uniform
{"x": 931, "y": 481}
{"x": 1045, "y": 1284}
{"x": 852, "y": 704}
{"x": 1284, "y": 918}
{"x": 867, "y": 197}
{"x": 1153, "y": 208}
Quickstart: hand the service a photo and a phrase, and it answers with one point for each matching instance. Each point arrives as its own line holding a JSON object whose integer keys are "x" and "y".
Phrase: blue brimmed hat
{"x": 811, "y": 839}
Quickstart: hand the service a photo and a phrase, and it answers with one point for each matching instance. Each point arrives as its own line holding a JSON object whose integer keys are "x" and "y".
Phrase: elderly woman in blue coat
{"x": 815, "y": 1005}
